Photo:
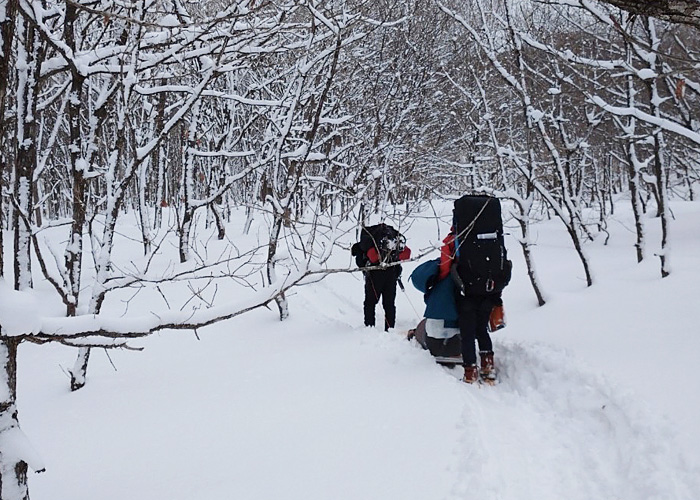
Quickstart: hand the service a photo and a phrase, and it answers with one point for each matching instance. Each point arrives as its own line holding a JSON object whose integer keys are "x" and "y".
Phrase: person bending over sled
{"x": 475, "y": 255}
{"x": 438, "y": 332}
{"x": 381, "y": 245}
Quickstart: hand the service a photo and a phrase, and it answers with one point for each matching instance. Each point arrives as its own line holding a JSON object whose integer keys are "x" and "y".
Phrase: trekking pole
{"x": 408, "y": 299}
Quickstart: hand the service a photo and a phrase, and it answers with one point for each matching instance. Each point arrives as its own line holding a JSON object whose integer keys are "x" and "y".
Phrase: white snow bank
{"x": 19, "y": 311}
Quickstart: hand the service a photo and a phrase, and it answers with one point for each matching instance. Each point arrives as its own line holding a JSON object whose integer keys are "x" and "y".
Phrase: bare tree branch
{"x": 674, "y": 11}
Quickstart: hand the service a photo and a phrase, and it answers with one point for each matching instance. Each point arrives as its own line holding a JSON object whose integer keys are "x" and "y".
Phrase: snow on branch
{"x": 663, "y": 123}
{"x": 62, "y": 329}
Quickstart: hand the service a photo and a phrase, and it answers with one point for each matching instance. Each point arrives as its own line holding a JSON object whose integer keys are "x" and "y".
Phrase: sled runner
{"x": 448, "y": 360}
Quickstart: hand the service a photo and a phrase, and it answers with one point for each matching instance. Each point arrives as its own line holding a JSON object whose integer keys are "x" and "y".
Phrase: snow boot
{"x": 471, "y": 374}
{"x": 488, "y": 368}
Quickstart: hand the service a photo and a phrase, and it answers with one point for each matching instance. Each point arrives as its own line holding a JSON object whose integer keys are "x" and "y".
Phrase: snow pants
{"x": 380, "y": 284}
{"x": 474, "y": 312}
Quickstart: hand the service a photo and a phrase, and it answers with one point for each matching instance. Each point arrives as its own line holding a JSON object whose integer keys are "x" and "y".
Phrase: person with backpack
{"x": 381, "y": 245}
{"x": 474, "y": 254}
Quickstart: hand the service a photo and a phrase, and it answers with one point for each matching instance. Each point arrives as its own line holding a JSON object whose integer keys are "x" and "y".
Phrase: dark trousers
{"x": 380, "y": 284}
{"x": 474, "y": 312}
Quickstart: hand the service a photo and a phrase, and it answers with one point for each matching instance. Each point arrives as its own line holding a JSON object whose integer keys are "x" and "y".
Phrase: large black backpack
{"x": 385, "y": 238}
{"x": 482, "y": 260}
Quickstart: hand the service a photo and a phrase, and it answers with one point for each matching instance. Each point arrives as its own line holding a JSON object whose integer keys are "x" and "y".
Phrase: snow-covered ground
{"x": 598, "y": 396}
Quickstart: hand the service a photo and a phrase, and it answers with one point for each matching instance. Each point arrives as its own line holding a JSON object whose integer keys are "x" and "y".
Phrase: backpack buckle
{"x": 490, "y": 285}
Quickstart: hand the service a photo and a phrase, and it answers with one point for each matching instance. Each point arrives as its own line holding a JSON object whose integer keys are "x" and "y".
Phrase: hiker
{"x": 475, "y": 256}
{"x": 381, "y": 245}
{"x": 438, "y": 332}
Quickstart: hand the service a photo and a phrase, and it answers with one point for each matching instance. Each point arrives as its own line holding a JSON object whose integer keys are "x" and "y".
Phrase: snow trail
{"x": 549, "y": 430}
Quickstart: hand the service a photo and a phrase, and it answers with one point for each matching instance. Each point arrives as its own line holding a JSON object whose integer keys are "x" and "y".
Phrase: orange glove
{"x": 497, "y": 319}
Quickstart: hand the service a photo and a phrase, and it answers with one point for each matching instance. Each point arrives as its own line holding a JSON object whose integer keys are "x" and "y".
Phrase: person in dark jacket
{"x": 381, "y": 283}
{"x": 474, "y": 313}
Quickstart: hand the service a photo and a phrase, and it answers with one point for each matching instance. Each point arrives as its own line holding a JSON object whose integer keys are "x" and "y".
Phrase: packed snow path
{"x": 315, "y": 408}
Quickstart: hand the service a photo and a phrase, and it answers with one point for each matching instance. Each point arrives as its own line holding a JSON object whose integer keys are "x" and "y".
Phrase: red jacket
{"x": 447, "y": 255}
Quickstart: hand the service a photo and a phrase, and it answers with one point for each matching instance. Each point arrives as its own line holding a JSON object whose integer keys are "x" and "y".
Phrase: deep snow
{"x": 598, "y": 395}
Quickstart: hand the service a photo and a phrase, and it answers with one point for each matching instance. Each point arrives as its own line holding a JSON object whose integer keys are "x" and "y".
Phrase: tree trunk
{"x": 159, "y": 163}
{"x": 185, "y": 229}
{"x": 13, "y": 470}
{"x": 79, "y": 371}
{"x": 104, "y": 259}
{"x": 74, "y": 249}
{"x": 220, "y": 228}
{"x": 633, "y": 164}
{"x": 280, "y": 300}
{"x": 524, "y": 221}
{"x": 78, "y": 374}
{"x": 8, "y": 9}
{"x": 142, "y": 186}
{"x": 188, "y": 180}
{"x": 30, "y": 49}
{"x": 659, "y": 146}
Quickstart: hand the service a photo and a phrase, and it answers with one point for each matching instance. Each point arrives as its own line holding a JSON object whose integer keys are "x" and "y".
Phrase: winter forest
{"x": 134, "y": 132}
